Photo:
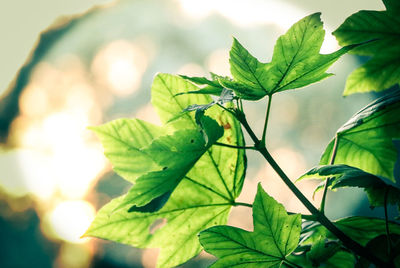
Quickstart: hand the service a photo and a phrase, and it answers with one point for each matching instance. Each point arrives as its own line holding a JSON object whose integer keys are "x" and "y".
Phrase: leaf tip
{"x": 95, "y": 129}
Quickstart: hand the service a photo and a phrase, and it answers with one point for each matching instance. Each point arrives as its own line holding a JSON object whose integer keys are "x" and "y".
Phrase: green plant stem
{"x": 234, "y": 146}
{"x": 332, "y": 160}
{"x": 319, "y": 216}
{"x": 226, "y": 109}
{"x": 243, "y": 204}
{"x": 266, "y": 120}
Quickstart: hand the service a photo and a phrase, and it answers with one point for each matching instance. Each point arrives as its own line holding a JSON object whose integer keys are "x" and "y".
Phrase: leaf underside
{"x": 366, "y": 140}
{"x": 360, "y": 229}
{"x": 345, "y": 176}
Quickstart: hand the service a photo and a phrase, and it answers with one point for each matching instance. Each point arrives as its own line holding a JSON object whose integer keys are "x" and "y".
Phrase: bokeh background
{"x": 66, "y": 65}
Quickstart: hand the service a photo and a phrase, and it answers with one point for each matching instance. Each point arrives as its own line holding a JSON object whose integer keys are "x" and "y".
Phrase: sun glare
{"x": 70, "y": 219}
{"x": 120, "y": 66}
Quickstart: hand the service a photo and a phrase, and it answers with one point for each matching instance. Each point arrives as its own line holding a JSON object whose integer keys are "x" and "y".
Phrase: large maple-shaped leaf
{"x": 176, "y": 154}
{"x": 161, "y": 165}
{"x": 296, "y": 62}
{"x": 275, "y": 236}
{"x": 378, "y": 190}
{"x": 202, "y": 199}
{"x": 190, "y": 209}
{"x": 366, "y": 140}
{"x": 383, "y": 69}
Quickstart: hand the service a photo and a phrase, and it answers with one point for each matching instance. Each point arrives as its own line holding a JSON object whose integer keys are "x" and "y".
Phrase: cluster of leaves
{"x": 187, "y": 174}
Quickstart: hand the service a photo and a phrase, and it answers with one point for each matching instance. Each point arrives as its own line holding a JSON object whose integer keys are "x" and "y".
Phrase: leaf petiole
{"x": 266, "y": 120}
{"x": 234, "y": 146}
{"x": 226, "y": 109}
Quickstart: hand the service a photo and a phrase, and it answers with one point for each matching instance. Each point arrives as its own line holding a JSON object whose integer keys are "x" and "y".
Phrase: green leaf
{"x": 202, "y": 199}
{"x": 176, "y": 154}
{"x": 207, "y": 90}
{"x": 346, "y": 176}
{"x": 296, "y": 62}
{"x": 209, "y": 86}
{"x": 275, "y": 236}
{"x": 163, "y": 164}
{"x": 123, "y": 141}
{"x": 379, "y": 245}
{"x": 168, "y": 101}
{"x": 392, "y": 6}
{"x": 366, "y": 140}
{"x": 190, "y": 209}
{"x": 329, "y": 255}
{"x": 241, "y": 90}
{"x": 199, "y": 80}
{"x": 321, "y": 251}
{"x": 341, "y": 259}
{"x": 248, "y": 72}
{"x": 360, "y": 229}
{"x": 383, "y": 69}
{"x": 226, "y": 178}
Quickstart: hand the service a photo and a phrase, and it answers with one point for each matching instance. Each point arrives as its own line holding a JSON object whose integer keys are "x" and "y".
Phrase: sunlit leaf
{"x": 275, "y": 236}
{"x": 190, "y": 209}
{"x": 296, "y": 62}
{"x": 204, "y": 196}
{"x": 366, "y": 140}
{"x": 207, "y": 86}
{"x": 383, "y": 69}
{"x": 248, "y": 72}
{"x": 241, "y": 90}
{"x": 360, "y": 229}
{"x": 228, "y": 177}
{"x": 345, "y": 176}
{"x": 123, "y": 140}
{"x": 176, "y": 154}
